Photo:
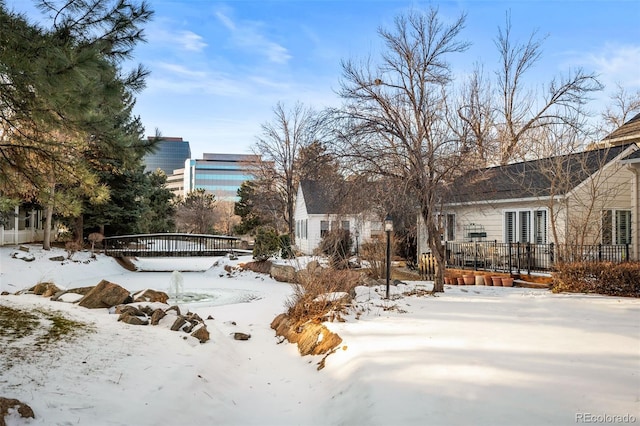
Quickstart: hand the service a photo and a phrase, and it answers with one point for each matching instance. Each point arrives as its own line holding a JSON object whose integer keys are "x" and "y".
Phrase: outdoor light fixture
{"x": 388, "y": 228}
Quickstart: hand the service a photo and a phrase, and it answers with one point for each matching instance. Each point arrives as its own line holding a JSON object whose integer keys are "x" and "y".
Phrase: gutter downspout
{"x": 635, "y": 211}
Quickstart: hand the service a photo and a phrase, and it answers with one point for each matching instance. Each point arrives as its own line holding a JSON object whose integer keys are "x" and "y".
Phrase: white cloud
{"x": 615, "y": 64}
{"x": 191, "y": 41}
{"x": 249, "y": 36}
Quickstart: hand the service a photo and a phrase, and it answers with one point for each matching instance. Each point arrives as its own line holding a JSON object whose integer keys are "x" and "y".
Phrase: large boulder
{"x": 312, "y": 338}
{"x": 149, "y": 295}
{"x": 105, "y": 295}
{"x": 283, "y": 273}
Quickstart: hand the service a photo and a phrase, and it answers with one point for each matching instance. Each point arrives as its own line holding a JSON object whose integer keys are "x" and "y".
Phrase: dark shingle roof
{"x": 531, "y": 178}
{"x": 628, "y": 132}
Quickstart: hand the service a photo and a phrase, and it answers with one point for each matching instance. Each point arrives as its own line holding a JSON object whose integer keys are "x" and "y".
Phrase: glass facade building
{"x": 170, "y": 155}
{"x": 219, "y": 174}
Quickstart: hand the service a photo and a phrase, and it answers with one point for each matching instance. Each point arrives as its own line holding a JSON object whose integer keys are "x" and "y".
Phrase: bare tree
{"x": 474, "y": 117}
{"x": 394, "y": 125}
{"x": 520, "y": 111}
{"x": 279, "y": 146}
{"x": 624, "y": 105}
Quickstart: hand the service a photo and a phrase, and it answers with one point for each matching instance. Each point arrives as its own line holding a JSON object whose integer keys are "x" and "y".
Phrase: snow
{"x": 473, "y": 355}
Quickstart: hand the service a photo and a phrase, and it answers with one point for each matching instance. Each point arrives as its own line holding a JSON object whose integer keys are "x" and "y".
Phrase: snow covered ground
{"x": 472, "y": 356}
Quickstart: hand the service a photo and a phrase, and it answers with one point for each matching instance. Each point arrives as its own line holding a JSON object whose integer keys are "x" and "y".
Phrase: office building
{"x": 170, "y": 154}
{"x": 219, "y": 174}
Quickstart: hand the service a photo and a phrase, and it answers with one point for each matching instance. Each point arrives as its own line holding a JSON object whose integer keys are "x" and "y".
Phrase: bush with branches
{"x": 614, "y": 279}
{"x": 374, "y": 253}
{"x": 267, "y": 244}
{"x": 314, "y": 298}
{"x": 337, "y": 245}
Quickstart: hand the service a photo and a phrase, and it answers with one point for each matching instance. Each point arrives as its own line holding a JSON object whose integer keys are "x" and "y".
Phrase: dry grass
{"x": 311, "y": 299}
{"x": 21, "y": 331}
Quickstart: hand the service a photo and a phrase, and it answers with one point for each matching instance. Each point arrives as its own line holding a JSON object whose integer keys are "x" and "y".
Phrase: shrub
{"x": 374, "y": 253}
{"x": 337, "y": 245}
{"x": 285, "y": 244}
{"x": 305, "y": 305}
{"x": 266, "y": 244}
{"x": 614, "y": 279}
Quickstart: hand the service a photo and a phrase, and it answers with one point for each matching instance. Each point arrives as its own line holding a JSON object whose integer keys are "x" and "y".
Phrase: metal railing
{"x": 527, "y": 257}
{"x": 168, "y": 245}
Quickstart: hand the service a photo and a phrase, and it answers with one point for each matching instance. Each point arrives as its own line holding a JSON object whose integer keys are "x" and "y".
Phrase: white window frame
{"x": 526, "y": 226}
{"x": 615, "y": 231}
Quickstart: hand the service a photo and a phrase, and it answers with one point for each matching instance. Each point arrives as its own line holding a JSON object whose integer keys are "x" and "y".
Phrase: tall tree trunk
{"x": 78, "y": 229}
{"x": 46, "y": 243}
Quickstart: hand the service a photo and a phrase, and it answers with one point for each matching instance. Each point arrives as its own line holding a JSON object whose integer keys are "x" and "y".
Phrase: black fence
{"x": 169, "y": 245}
{"x": 527, "y": 257}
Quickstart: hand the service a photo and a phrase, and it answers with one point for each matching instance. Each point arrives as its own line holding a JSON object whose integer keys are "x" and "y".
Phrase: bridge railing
{"x": 169, "y": 245}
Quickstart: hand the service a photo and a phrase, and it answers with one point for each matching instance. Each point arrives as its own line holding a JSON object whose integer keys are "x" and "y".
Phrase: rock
{"x": 105, "y": 295}
{"x": 6, "y": 293}
{"x": 80, "y": 290}
{"x": 173, "y": 308}
{"x": 241, "y": 336}
{"x": 24, "y": 248}
{"x": 133, "y": 320}
{"x": 149, "y": 295}
{"x": 128, "y": 310}
{"x": 45, "y": 289}
{"x": 201, "y": 333}
{"x": 7, "y": 403}
{"x": 57, "y": 259}
{"x": 178, "y": 323}
{"x": 156, "y": 316}
{"x": 312, "y": 338}
{"x": 283, "y": 273}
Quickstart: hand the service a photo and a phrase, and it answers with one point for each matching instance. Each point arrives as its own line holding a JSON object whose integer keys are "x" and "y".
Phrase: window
{"x": 525, "y": 226}
{"x": 540, "y": 227}
{"x": 616, "y": 227}
{"x": 345, "y": 225}
{"x": 324, "y": 228}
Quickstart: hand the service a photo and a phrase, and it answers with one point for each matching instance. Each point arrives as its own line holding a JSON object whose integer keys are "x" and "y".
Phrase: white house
{"x": 22, "y": 226}
{"x": 320, "y": 209}
{"x": 584, "y": 198}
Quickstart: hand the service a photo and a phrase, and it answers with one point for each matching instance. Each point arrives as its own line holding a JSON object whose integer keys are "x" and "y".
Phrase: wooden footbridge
{"x": 169, "y": 245}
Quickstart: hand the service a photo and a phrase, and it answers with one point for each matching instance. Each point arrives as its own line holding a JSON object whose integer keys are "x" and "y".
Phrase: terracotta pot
{"x": 447, "y": 280}
{"x": 479, "y": 280}
{"x": 468, "y": 279}
{"x": 460, "y": 281}
{"x": 497, "y": 281}
{"x": 488, "y": 280}
{"x": 507, "y": 282}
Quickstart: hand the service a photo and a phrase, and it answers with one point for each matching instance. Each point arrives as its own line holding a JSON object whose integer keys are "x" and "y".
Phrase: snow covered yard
{"x": 474, "y": 355}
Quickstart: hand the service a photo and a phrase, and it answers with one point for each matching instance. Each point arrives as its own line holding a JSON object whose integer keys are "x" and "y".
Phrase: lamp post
{"x": 388, "y": 228}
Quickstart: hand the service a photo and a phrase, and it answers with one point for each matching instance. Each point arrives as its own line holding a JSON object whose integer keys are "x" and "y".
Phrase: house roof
{"x": 537, "y": 178}
{"x": 628, "y": 132}
{"x": 322, "y": 198}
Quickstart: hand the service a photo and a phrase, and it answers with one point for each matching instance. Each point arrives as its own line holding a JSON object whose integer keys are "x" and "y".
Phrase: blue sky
{"x": 219, "y": 68}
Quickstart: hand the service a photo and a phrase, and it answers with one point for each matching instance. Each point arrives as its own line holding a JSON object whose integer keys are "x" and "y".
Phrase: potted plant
{"x": 507, "y": 281}
{"x": 488, "y": 280}
{"x": 497, "y": 281}
{"x": 468, "y": 279}
{"x": 479, "y": 280}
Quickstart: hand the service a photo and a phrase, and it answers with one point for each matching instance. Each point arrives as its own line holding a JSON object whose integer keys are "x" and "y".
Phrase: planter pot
{"x": 468, "y": 279}
{"x": 497, "y": 281}
{"x": 447, "y": 280}
{"x": 460, "y": 281}
{"x": 479, "y": 280}
{"x": 507, "y": 282}
{"x": 488, "y": 280}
